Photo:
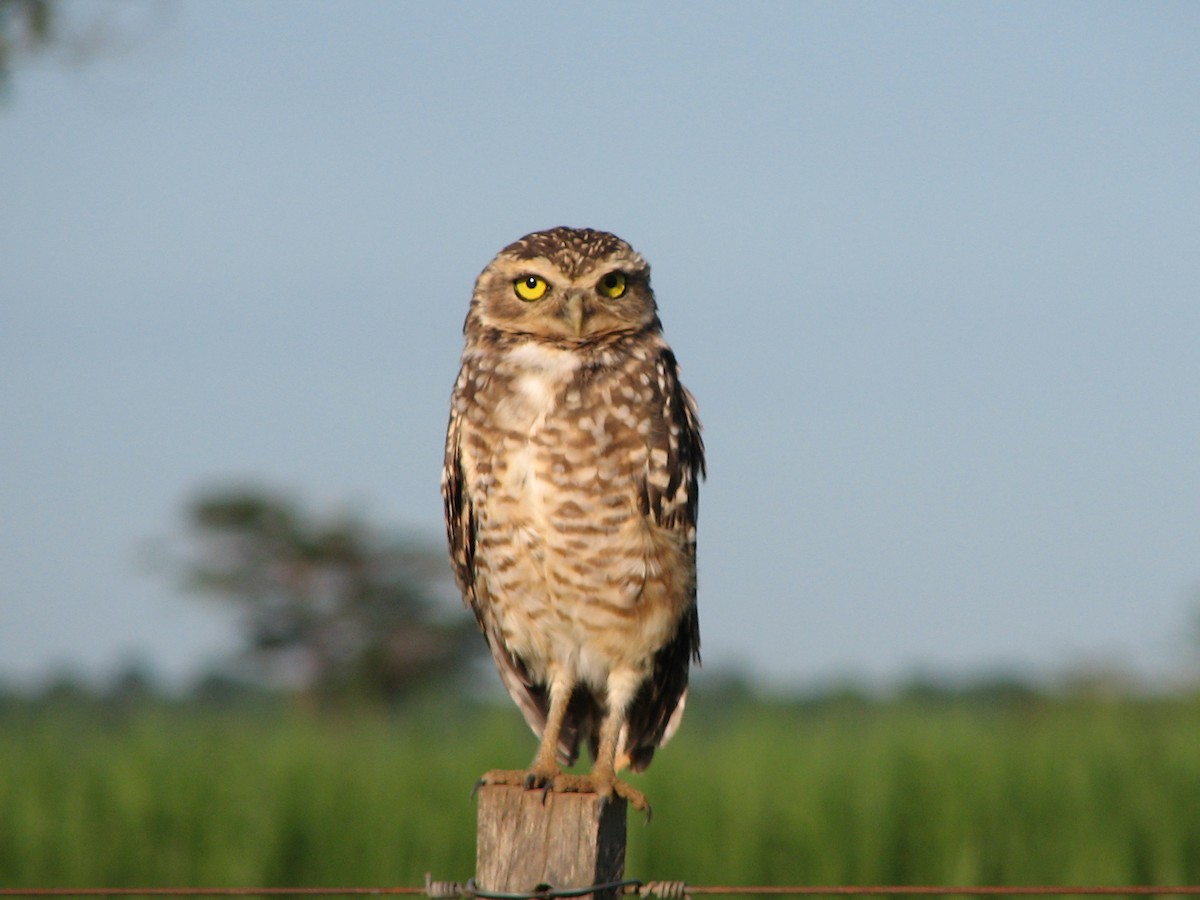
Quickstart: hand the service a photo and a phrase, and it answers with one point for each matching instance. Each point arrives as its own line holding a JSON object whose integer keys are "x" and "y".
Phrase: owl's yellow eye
{"x": 612, "y": 285}
{"x": 531, "y": 287}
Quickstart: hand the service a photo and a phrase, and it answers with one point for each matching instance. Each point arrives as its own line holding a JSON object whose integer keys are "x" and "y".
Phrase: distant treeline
{"x": 138, "y": 688}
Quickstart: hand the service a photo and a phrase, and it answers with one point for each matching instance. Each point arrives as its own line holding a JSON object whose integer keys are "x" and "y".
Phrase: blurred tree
{"x": 74, "y": 33}
{"x": 25, "y": 26}
{"x": 328, "y": 606}
{"x": 1192, "y": 638}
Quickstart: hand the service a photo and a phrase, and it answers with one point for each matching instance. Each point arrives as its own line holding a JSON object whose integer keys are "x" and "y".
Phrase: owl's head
{"x": 570, "y": 285}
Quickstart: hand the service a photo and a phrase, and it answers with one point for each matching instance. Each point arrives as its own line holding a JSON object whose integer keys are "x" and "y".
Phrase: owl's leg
{"x": 545, "y": 765}
{"x": 544, "y": 770}
{"x": 622, "y": 688}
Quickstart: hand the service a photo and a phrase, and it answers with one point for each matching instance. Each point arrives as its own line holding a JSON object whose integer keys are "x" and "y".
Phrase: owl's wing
{"x": 657, "y": 710}
{"x": 460, "y": 514}
{"x": 670, "y": 497}
{"x": 670, "y": 491}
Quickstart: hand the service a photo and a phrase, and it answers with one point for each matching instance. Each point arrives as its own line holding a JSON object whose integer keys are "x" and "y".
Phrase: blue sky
{"x": 931, "y": 271}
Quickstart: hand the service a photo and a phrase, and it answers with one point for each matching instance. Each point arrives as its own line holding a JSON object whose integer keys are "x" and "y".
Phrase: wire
{"x": 665, "y": 889}
{"x": 209, "y": 891}
{"x": 473, "y": 891}
{"x": 941, "y": 890}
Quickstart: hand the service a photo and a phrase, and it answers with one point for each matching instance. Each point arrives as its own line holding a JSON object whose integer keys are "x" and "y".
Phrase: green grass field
{"x": 1042, "y": 792}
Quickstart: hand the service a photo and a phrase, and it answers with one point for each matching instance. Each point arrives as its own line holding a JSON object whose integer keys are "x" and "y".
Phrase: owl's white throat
{"x": 541, "y": 371}
{"x": 553, "y": 362}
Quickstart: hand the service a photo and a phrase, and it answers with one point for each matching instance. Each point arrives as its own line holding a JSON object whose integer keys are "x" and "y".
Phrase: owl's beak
{"x": 574, "y": 313}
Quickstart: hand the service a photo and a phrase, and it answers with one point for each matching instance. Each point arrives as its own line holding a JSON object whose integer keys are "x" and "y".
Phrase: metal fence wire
{"x": 666, "y": 890}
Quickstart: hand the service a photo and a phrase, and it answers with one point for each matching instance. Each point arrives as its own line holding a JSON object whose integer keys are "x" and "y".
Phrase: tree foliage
{"x": 25, "y": 26}
{"x": 328, "y": 605}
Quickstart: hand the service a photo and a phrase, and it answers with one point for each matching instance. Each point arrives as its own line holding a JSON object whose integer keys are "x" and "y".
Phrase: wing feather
{"x": 670, "y": 497}
{"x": 459, "y": 512}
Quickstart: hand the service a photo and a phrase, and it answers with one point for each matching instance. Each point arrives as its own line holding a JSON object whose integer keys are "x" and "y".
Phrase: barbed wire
{"x": 667, "y": 890}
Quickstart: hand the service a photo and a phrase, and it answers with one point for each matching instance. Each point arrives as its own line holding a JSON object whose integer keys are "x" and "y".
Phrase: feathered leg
{"x": 545, "y": 773}
{"x": 544, "y": 770}
{"x": 622, "y": 688}
{"x": 602, "y": 780}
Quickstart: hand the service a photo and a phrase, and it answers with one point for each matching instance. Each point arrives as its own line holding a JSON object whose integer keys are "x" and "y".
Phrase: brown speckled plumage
{"x": 570, "y": 485}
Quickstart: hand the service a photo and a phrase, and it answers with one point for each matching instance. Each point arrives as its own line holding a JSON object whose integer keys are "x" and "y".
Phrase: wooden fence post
{"x": 566, "y": 840}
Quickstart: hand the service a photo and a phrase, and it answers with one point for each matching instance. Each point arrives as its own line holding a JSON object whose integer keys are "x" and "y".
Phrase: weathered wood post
{"x": 527, "y": 839}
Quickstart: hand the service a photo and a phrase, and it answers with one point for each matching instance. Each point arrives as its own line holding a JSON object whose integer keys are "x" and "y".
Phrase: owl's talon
{"x": 633, "y": 796}
{"x": 511, "y": 777}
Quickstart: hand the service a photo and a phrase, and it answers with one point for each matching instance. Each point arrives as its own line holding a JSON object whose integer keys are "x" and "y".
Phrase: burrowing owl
{"x": 570, "y": 484}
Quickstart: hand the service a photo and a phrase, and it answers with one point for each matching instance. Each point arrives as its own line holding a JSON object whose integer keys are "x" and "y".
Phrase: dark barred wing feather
{"x": 670, "y": 496}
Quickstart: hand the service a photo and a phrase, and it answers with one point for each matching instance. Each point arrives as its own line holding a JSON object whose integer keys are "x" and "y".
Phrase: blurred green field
{"x": 1057, "y": 792}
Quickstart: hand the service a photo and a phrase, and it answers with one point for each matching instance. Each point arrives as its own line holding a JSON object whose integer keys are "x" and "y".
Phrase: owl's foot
{"x": 632, "y": 796}
{"x": 535, "y": 778}
{"x": 546, "y": 781}
{"x": 605, "y": 787}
